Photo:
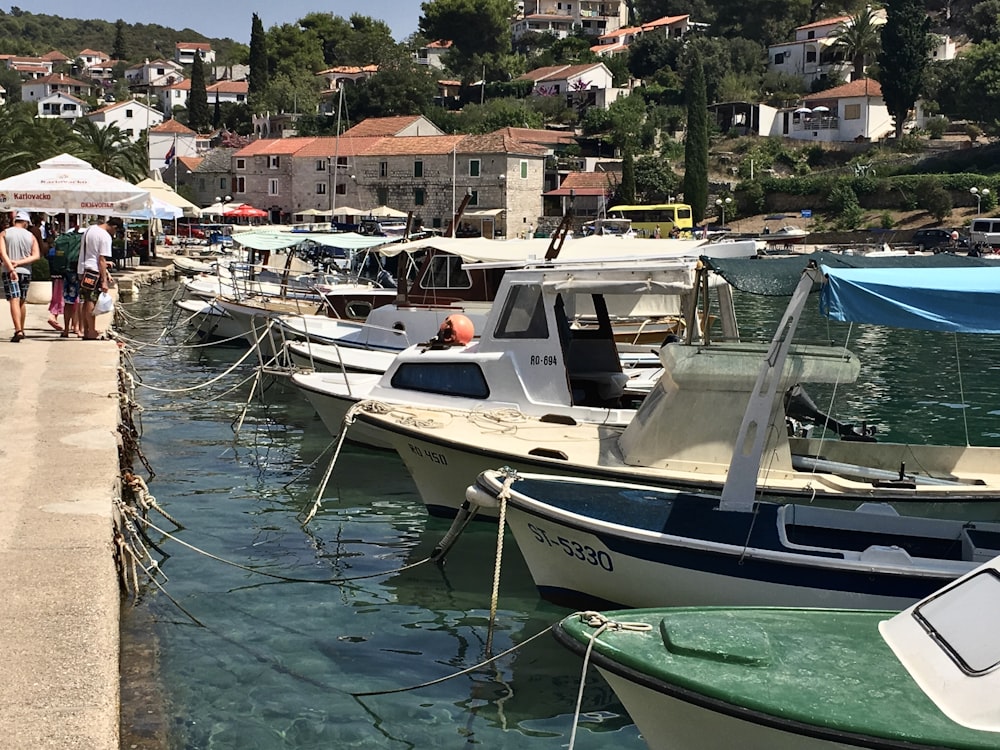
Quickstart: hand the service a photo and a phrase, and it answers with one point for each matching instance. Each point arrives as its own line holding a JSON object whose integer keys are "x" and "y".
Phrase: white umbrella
{"x": 158, "y": 209}
{"x": 803, "y": 111}
{"x": 821, "y": 108}
{"x": 161, "y": 190}
{"x": 65, "y": 183}
{"x": 385, "y": 211}
{"x": 348, "y": 211}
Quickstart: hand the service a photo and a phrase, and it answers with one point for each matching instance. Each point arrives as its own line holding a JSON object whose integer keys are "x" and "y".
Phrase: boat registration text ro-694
{"x": 545, "y": 360}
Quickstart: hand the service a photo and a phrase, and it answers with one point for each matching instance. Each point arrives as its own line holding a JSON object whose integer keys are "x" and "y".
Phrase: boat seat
{"x": 608, "y": 386}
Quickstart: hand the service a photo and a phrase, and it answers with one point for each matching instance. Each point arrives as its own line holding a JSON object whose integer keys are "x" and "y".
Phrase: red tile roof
{"x": 823, "y": 22}
{"x": 557, "y": 72}
{"x": 193, "y": 45}
{"x": 172, "y": 126}
{"x": 382, "y": 125}
{"x": 61, "y": 80}
{"x": 415, "y": 145}
{"x": 860, "y": 87}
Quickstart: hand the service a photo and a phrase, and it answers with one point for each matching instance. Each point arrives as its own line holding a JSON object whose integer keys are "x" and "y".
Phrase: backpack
{"x": 65, "y": 253}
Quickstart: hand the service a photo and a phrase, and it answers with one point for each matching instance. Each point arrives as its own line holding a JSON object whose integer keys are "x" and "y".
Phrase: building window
{"x": 240, "y": 185}
{"x": 524, "y": 170}
{"x": 418, "y": 168}
{"x": 128, "y": 113}
{"x": 273, "y": 162}
{"x": 382, "y": 195}
{"x": 779, "y": 59}
{"x": 811, "y": 56}
{"x": 320, "y": 188}
{"x": 810, "y": 35}
{"x": 852, "y": 111}
{"x": 241, "y": 163}
{"x": 320, "y": 165}
{"x": 201, "y": 184}
{"x": 341, "y": 189}
{"x": 272, "y": 187}
{"x": 383, "y": 169}
{"x": 418, "y": 196}
{"x": 474, "y": 198}
{"x": 474, "y": 166}
{"x": 436, "y": 222}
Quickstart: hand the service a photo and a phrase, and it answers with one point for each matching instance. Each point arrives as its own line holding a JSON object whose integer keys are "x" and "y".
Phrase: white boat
{"x": 684, "y": 433}
{"x": 752, "y": 678}
{"x": 547, "y": 348}
{"x": 591, "y": 544}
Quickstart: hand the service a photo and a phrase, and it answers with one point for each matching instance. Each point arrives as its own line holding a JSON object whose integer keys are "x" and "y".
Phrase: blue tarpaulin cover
{"x": 961, "y": 300}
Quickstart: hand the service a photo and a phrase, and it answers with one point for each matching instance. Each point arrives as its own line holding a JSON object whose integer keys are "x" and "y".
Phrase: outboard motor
{"x": 798, "y": 405}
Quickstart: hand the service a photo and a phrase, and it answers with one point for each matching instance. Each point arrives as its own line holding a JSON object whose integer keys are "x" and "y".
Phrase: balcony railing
{"x": 817, "y": 123}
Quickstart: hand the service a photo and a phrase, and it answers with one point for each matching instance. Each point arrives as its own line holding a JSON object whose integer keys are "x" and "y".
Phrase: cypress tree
{"x": 257, "y": 83}
{"x": 695, "y": 183}
{"x": 119, "y": 51}
{"x": 628, "y": 177}
{"x": 903, "y": 60}
{"x": 198, "y": 117}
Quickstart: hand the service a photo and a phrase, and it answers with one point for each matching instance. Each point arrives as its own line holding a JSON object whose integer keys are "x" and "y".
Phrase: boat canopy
{"x": 279, "y": 240}
{"x": 778, "y": 277}
{"x": 960, "y": 300}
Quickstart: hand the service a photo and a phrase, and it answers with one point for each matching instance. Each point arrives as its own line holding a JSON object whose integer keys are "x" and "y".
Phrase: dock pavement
{"x": 59, "y": 592}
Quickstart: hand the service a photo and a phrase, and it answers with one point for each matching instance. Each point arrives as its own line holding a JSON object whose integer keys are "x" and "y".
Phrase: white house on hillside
{"x": 61, "y": 105}
{"x": 854, "y": 111}
{"x": 590, "y": 84}
{"x": 170, "y": 136}
{"x": 617, "y": 42}
{"x": 560, "y": 17}
{"x": 39, "y": 88}
{"x": 154, "y": 74}
{"x": 184, "y": 52}
{"x": 131, "y": 117}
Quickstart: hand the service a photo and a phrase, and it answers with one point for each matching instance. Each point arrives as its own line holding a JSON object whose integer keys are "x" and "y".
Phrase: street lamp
{"x": 980, "y": 194}
{"x": 722, "y": 203}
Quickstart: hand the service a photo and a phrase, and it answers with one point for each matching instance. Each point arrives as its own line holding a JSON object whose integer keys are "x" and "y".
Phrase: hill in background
{"x": 33, "y": 34}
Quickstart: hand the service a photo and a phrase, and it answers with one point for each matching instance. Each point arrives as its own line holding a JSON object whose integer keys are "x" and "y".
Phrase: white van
{"x": 985, "y": 231}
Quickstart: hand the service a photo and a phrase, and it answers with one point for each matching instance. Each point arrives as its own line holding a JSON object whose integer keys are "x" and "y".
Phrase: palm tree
{"x": 860, "y": 39}
{"x": 111, "y": 150}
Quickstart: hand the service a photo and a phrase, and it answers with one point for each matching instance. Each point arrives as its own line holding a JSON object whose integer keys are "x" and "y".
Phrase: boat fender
{"x": 478, "y": 496}
{"x": 466, "y": 512}
{"x": 456, "y": 330}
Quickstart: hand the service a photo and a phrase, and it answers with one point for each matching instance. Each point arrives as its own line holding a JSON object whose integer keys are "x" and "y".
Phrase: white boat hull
{"x": 668, "y": 723}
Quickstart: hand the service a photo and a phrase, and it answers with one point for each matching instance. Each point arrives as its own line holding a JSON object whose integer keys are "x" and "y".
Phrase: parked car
{"x": 192, "y": 231}
{"x": 938, "y": 239}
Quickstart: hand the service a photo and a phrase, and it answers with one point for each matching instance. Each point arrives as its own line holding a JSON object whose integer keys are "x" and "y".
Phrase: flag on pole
{"x": 170, "y": 155}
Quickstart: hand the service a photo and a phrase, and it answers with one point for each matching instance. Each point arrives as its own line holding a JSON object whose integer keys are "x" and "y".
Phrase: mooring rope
{"x": 510, "y": 476}
{"x": 602, "y": 623}
{"x": 468, "y": 670}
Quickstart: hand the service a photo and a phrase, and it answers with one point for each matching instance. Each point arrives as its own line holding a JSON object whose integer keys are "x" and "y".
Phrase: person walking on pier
{"x": 95, "y": 276}
{"x": 18, "y": 250}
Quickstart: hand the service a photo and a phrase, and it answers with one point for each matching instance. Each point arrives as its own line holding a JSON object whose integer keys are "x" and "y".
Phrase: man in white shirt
{"x": 95, "y": 276}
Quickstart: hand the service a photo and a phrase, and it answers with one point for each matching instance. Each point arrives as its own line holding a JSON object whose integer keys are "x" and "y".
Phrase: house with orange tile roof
{"x": 131, "y": 117}
{"x": 61, "y": 105}
{"x": 154, "y": 74}
{"x": 29, "y": 67}
{"x": 92, "y": 57}
{"x": 185, "y": 52}
{"x": 617, "y": 42}
{"x": 401, "y": 125}
{"x": 587, "y": 192}
{"x": 561, "y": 17}
{"x": 582, "y": 86}
{"x": 171, "y": 135}
{"x": 176, "y": 94}
{"x": 431, "y": 53}
{"x": 813, "y": 55}
{"x": 40, "y": 88}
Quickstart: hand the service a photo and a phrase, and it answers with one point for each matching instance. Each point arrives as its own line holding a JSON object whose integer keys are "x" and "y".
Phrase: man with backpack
{"x": 63, "y": 258}
{"x": 94, "y": 271}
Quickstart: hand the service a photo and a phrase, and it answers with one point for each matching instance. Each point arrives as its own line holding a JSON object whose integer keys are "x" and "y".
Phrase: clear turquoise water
{"x": 274, "y": 663}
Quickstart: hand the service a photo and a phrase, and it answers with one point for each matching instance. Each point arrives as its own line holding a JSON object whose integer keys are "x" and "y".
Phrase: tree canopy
{"x": 903, "y": 60}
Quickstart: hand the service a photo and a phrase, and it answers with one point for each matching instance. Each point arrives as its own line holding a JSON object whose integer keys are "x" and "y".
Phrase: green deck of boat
{"x": 828, "y": 668}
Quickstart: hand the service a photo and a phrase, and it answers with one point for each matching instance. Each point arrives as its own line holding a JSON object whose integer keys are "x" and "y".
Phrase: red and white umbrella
{"x": 245, "y": 210}
{"x": 67, "y": 184}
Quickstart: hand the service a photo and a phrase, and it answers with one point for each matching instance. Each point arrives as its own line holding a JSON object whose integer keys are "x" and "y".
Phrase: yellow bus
{"x": 645, "y": 218}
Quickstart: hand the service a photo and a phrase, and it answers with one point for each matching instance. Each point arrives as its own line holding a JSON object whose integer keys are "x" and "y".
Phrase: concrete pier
{"x": 59, "y": 591}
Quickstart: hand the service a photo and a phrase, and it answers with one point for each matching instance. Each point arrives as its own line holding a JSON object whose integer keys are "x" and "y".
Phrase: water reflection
{"x": 276, "y": 663}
